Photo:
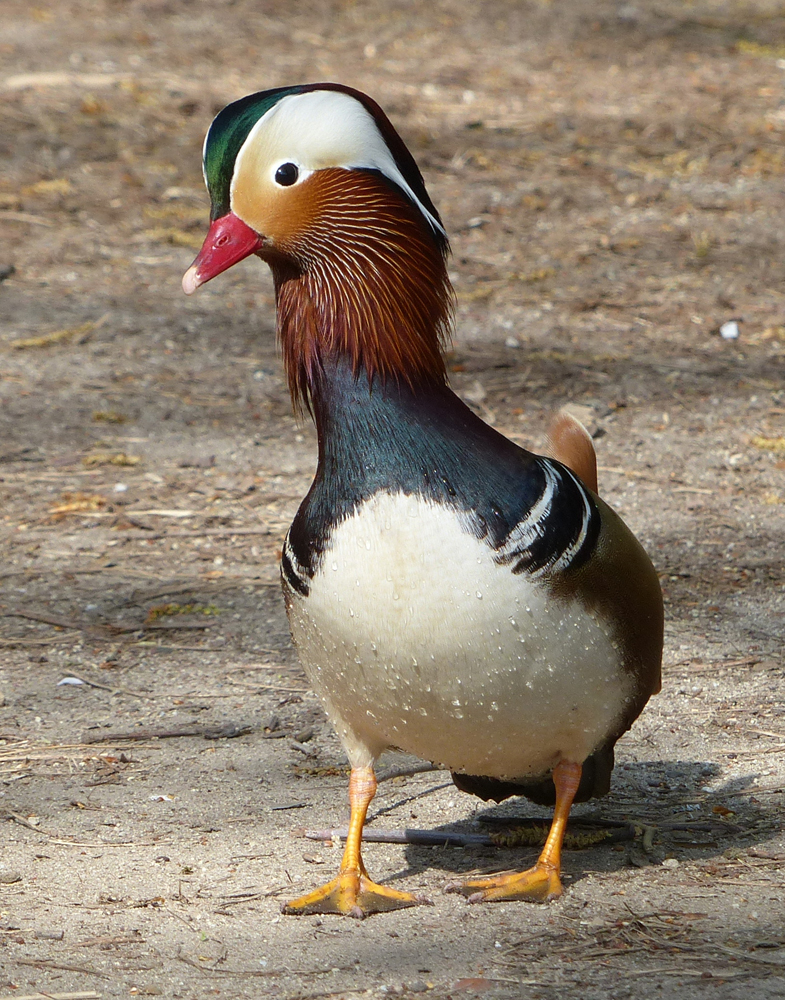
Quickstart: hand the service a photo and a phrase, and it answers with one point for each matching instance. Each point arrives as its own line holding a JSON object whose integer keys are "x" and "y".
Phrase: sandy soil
{"x": 611, "y": 175}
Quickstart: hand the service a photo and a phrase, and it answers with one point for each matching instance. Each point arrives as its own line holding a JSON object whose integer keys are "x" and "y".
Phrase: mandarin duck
{"x": 450, "y": 594}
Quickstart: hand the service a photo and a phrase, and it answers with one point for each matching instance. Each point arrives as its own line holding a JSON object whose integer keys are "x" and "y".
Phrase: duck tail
{"x": 570, "y": 443}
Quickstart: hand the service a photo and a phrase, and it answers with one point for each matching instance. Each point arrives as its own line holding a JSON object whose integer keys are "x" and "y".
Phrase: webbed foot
{"x": 539, "y": 884}
{"x": 353, "y": 895}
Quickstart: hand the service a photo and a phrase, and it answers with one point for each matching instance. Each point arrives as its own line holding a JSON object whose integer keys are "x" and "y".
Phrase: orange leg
{"x": 542, "y": 882}
{"x": 353, "y": 893}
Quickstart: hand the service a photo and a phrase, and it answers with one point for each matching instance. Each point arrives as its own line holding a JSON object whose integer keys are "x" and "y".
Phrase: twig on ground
{"x": 427, "y": 838}
{"x": 37, "y": 616}
{"x": 108, "y": 939}
{"x": 615, "y": 832}
{"x": 151, "y": 535}
{"x": 746, "y": 956}
{"x": 667, "y": 971}
{"x": 23, "y": 822}
{"x": 89, "y": 995}
{"x": 262, "y": 687}
{"x": 109, "y": 687}
{"x": 766, "y": 732}
{"x": 12, "y": 643}
{"x": 44, "y": 963}
{"x": 168, "y": 647}
{"x": 228, "y": 731}
{"x": 106, "y": 626}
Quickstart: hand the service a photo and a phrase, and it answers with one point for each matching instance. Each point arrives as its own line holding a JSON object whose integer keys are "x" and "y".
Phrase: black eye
{"x": 286, "y": 174}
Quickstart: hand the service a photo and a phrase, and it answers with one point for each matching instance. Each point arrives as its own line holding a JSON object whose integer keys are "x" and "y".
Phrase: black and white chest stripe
{"x": 293, "y": 573}
{"x": 557, "y": 533}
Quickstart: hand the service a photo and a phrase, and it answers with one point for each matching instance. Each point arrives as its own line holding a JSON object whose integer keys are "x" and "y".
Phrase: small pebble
{"x": 670, "y": 863}
{"x": 729, "y": 330}
{"x": 8, "y": 878}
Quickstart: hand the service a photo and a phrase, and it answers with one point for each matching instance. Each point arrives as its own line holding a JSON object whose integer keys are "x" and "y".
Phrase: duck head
{"x": 315, "y": 180}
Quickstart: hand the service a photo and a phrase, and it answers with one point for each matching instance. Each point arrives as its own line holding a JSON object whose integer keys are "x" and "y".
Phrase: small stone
{"x": 670, "y": 863}
{"x": 418, "y": 986}
{"x": 730, "y": 330}
{"x": 8, "y": 878}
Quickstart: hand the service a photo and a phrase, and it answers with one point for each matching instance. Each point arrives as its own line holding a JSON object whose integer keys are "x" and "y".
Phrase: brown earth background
{"x": 611, "y": 175}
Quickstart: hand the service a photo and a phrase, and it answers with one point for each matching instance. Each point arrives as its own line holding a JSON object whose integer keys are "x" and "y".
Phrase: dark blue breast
{"x": 427, "y": 442}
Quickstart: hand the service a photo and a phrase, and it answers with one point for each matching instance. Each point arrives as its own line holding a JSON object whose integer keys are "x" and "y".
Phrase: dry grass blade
{"x": 89, "y": 995}
{"x": 23, "y": 755}
{"x": 72, "y": 333}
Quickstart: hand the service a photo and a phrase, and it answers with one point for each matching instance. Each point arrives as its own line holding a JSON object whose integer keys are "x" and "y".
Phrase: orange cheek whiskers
{"x": 370, "y": 283}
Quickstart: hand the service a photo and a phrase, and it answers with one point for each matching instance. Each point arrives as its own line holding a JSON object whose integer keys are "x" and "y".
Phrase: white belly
{"x": 415, "y": 638}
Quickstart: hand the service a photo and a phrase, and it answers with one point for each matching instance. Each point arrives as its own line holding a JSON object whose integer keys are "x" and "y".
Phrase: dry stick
{"x": 43, "y": 963}
{"x": 228, "y": 731}
{"x": 448, "y": 838}
{"x": 115, "y": 629}
{"x": 216, "y": 586}
{"x": 766, "y": 732}
{"x": 131, "y": 536}
{"x": 25, "y": 822}
{"x": 52, "y": 838}
{"x": 37, "y": 617}
{"x": 667, "y": 971}
{"x": 749, "y": 957}
{"x": 96, "y": 942}
{"x": 167, "y": 647}
{"x": 427, "y": 838}
{"x": 90, "y": 995}
{"x": 110, "y": 688}
{"x": 12, "y": 643}
{"x": 264, "y": 687}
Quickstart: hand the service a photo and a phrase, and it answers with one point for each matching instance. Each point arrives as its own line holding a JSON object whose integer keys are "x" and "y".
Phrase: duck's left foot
{"x": 352, "y": 895}
{"x": 539, "y": 884}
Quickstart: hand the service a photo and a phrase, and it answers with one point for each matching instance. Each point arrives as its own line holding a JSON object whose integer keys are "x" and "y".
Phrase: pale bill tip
{"x": 191, "y": 280}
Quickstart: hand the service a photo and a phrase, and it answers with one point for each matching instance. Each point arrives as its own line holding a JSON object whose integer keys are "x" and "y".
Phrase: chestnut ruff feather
{"x": 366, "y": 279}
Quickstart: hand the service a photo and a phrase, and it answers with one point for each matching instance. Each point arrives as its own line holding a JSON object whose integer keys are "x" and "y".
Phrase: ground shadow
{"x": 649, "y": 797}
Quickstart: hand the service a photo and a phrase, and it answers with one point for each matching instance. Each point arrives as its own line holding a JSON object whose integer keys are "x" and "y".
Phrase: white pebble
{"x": 729, "y": 330}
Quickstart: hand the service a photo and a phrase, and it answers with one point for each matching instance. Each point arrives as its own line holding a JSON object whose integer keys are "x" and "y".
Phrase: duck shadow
{"x": 655, "y": 810}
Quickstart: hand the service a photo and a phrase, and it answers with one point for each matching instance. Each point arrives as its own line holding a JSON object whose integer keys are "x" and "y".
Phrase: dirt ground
{"x": 612, "y": 177}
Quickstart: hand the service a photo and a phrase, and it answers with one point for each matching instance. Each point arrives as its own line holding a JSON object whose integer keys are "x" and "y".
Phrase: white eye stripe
{"x": 321, "y": 129}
